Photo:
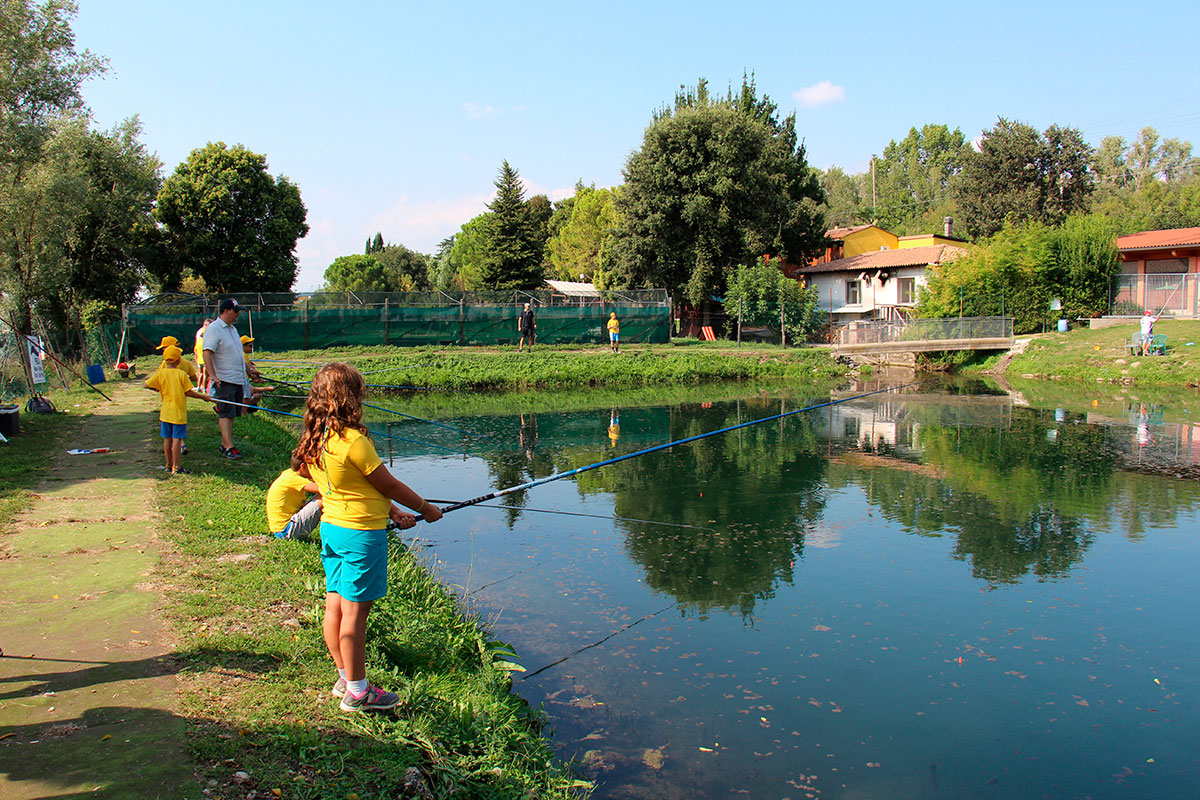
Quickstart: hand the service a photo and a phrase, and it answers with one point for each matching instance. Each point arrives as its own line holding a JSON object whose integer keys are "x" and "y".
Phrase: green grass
{"x": 28, "y": 455}
{"x": 562, "y": 367}
{"x": 1098, "y": 356}
{"x": 248, "y": 610}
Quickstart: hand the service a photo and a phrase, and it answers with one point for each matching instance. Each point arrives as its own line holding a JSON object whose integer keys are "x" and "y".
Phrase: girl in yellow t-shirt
{"x": 358, "y": 492}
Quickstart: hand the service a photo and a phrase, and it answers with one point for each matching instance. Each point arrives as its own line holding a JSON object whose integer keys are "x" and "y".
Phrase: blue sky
{"x": 395, "y": 116}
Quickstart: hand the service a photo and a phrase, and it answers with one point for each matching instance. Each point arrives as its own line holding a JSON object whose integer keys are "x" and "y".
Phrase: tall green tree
{"x": 513, "y": 255}
{"x": 232, "y": 223}
{"x": 765, "y": 297}
{"x": 914, "y": 174}
{"x": 43, "y": 124}
{"x": 577, "y": 248}
{"x": 845, "y": 202}
{"x": 106, "y": 256}
{"x": 357, "y": 273}
{"x": 717, "y": 182}
{"x": 467, "y": 254}
{"x": 1021, "y": 175}
{"x": 406, "y": 270}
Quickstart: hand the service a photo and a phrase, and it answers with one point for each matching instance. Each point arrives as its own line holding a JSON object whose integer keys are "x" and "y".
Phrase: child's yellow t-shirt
{"x": 613, "y": 325}
{"x": 341, "y": 475}
{"x": 285, "y": 498}
{"x": 185, "y": 366}
{"x": 173, "y": 384}
{"x": 198, "y": 349}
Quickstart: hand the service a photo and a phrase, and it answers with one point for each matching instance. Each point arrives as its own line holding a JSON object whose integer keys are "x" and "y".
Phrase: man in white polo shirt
{"x": 226, "y": 365}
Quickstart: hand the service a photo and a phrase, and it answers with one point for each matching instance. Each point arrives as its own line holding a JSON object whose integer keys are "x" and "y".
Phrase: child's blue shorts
{"x": 171, "y": 430}
{"x": 613, "y": 337}
{"x": 355, "y": 562}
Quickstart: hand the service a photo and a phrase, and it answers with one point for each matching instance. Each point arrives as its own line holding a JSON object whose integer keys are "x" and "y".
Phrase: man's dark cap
{"x": 227, "y": 304}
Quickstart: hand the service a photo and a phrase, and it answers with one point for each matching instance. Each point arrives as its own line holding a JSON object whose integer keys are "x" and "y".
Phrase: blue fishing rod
{"x": 373, "y": 433}
{"x": 656, "y": 448}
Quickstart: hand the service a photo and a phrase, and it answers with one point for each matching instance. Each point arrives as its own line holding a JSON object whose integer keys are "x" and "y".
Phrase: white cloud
{"x": 819, "y": 94}
{"x": 422, "y": 225}
{"x": 479, "y": 111}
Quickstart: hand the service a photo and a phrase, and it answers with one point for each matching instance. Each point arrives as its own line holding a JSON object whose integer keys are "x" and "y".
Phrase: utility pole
{"x": 874, "y": 213}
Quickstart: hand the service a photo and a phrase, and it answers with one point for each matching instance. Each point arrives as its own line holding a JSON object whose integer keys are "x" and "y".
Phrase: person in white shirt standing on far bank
{"x": 1147, "y": 332}
{"x": 225, "y": 364}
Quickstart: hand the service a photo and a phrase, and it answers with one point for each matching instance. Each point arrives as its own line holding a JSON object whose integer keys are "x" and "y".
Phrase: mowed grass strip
{"x": 686, "y": 363}
{"x": 248, "y": 609}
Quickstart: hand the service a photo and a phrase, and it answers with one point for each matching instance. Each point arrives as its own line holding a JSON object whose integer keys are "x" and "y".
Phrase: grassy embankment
{"x": 248, "y": 608}
{"x": 561, "y": 367}
{"x": 1098, "y": 356}
{"x": 27, "y": 456}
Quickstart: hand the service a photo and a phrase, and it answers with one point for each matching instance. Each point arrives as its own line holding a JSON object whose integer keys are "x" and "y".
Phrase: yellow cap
{"x": 247, "y": 339}
{"x": 167, "y": 341}
{"x": 172, "y": 353}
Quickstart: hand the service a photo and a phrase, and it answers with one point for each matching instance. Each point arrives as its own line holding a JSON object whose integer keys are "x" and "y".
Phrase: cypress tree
{"x": 513, "y": 257}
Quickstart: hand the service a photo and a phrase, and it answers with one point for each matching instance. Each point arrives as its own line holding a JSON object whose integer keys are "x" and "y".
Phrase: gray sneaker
{"x": 373, "y": 699}
{"x": 339, "y": 687}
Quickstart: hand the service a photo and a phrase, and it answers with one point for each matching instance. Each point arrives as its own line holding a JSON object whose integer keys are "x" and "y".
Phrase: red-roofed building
{"x": 1160, "y": 271}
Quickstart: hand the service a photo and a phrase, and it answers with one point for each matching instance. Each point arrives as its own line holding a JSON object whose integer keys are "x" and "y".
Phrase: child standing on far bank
{"x": 175, "y": 387}
{"x": 357, "y": 491}
{"x": 614, "y": 333}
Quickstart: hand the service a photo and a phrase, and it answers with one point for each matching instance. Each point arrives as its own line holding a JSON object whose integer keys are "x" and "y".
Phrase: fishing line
{"x": 506, "y": 578}
{"x": 372, "y": 432}
{"x": 397, "y": 369}
{"x": 368, "y": 385}
{"x": 609, "y": 517}
{"x": 431, "y": 422}
{"x": 656, "y": 448}
{"x": 598, "y": 643}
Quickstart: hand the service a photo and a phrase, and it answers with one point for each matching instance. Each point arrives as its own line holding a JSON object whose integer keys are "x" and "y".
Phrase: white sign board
{"x": 35, "y": 360}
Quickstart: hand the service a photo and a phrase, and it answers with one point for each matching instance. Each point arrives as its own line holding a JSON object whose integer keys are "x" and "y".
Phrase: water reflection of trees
{"x": 761, "y": 495}
{"x": 1020, "y": 500}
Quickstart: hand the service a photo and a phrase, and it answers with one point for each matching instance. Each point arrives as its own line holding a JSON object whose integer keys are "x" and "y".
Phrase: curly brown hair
{"x": 334, "y": 404}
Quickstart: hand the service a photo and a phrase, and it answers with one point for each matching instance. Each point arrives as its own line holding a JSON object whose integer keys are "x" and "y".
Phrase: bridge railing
{"x": 923, "y": 330}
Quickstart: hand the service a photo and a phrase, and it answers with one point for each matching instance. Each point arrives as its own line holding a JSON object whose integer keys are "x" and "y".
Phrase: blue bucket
{"x": 1062, "y": 326}
{"x": 95, "y": 374}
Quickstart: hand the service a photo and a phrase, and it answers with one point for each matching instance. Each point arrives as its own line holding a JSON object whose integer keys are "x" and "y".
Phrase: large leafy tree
{"x": 717, "y": 182}
{"x": 466, "y": 255}
{"x": 1021, "y": 175}
{"x": 914, "y": 174}
{"x": 406, "y": 270}
{"x": 43, "y": 185}
{"x": 357, "y": 273}
{"x": 232, "y": 223}
{"x": 763, "y": 296}
{"x": 512, "y": 258}
{"x": 107, "y": 256}
{"x": 576, "y": 249}
{"x": 844, "y": 198}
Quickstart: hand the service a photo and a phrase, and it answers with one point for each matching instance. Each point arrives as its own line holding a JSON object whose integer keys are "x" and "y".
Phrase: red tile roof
{"x": 1179, "y": 237}
{"x": 887, "y": 259}
{"x": 842, "y": 233}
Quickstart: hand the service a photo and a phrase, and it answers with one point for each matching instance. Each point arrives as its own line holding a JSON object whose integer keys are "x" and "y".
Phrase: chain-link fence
{"x": 319, "y": 320}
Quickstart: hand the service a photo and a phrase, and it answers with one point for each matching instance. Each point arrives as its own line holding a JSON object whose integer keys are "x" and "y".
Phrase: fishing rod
{"x": 609, "y": 517}
{"x": 59, "y": 361}
{"x": 397, "y": 369}
{"x": 373, "y": 432}
{"x": 400, "y": 414}
{"x": 368, "y": 385}
{"x": 431, "y": 422}
{"x": 656, "y": 448}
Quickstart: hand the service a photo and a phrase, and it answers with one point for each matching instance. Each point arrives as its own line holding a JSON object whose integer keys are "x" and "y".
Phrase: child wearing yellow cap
{"x": 251, "y": 394}
{"x": 175, "y": 387}
{"x": 184, "y": 364}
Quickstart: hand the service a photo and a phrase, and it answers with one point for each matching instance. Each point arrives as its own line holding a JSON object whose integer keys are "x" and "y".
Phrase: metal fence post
{"x": 386, "y": 321}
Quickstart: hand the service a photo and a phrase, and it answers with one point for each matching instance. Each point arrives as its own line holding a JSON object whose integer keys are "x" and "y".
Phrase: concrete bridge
{"x": 886, "y": 341}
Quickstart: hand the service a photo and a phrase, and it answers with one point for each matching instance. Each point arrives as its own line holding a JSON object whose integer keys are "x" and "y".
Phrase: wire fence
{"x": 322, "y": 320}
{"x": 1172, "y": 294}
{"x": 922, "y": 330}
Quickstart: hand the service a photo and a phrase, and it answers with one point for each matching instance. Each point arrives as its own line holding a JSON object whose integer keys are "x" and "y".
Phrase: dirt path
{"x": 87, "y": 681}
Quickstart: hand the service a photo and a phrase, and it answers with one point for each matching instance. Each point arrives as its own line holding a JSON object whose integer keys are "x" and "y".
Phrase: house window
{"x": 906, "y": 291}
{"x": 1166, "y": 266}
{"x": 852, "y": 298}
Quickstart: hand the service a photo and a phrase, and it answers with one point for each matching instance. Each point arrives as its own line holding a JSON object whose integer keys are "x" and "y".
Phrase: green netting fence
{"x": 345, "y": 319}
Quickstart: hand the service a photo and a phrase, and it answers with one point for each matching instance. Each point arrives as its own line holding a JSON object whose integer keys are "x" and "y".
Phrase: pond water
{"x": 945, "y": 592}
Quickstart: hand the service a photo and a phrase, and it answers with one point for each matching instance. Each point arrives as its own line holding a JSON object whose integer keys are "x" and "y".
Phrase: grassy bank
{"x": 562, "y": 367}
{"x": 248, "y": 610}
{"x": 1098, "y": 356}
